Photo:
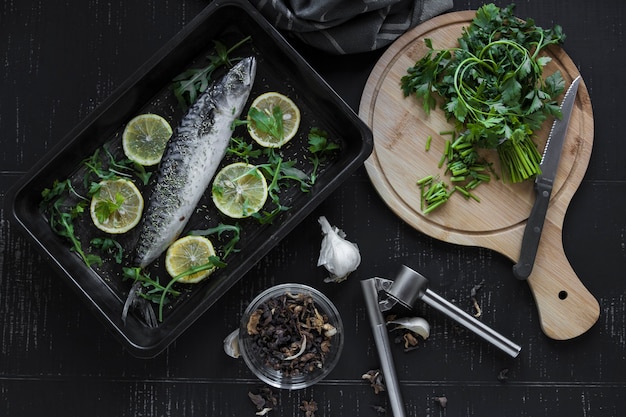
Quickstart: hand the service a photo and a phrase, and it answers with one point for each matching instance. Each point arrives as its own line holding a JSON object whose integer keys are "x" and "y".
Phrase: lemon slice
{"x": 144, "y": 138}
{"x": 264, "y": 120}
{"x": 186, "y": 253}
{"x": 117, "y": 206}
{"x": 239, "y": 190}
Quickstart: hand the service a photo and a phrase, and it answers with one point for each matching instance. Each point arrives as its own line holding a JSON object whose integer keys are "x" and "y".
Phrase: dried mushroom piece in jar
{"x": 290, "y": 334}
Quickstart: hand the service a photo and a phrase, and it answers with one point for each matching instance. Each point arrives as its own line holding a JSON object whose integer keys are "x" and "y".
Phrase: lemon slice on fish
{"x": 145, "y": 137}
{"x": 117, "y": 206}
{"x": 273, "y": 119}
{"x": 239, "y": 190}
{"x": 187, "y": 253}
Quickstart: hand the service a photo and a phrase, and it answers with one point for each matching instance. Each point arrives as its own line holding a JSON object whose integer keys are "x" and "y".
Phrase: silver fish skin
{"x": 190, "y": 160}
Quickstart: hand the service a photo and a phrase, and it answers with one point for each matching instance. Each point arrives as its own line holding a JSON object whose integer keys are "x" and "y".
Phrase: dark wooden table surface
{"x": 61, "y": 59}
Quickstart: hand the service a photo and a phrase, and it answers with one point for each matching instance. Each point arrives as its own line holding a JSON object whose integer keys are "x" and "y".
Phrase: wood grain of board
{"x": 566, "y": 308}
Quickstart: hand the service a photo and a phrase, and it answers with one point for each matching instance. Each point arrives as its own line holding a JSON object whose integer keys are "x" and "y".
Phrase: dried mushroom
{"x": 264, "y": 401}
{"x": 442, "y": 401}
{"x": 253, "y": 322}
{"x": 375, "y": 378}
{"x": 477, "y": 310}
{"x": 380, "y": 410}
{"x": 503, "y": 375}
{"x": 309, "y": 408}
{"x": 290, "y": 334}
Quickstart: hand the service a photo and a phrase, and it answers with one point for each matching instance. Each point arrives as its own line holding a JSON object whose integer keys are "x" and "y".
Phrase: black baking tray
{"x": 279, "y": 68}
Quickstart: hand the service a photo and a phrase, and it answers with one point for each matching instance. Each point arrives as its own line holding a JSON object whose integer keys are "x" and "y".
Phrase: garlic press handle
{"x": 371, "y": 288}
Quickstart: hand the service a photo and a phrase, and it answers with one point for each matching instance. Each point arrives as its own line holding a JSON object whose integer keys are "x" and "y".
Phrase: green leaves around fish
{"x": 270, "y": 123}
{"x": 282, "y": 173}
{"x": 188, "y": 84}
{"x": 64, "y": 202}
{"x": 67, "y": 200}
{"x": 492, "y": 86}
{"x": 154, "y": 291}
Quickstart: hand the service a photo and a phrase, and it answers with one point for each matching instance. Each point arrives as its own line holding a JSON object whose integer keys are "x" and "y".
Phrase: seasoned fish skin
{"x": 191, "y": 159}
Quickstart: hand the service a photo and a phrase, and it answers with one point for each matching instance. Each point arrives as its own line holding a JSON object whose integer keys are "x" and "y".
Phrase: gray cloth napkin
{"x": 348, "y": 26}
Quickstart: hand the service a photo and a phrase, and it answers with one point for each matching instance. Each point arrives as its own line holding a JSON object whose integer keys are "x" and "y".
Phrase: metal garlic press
{"x": 382, "y": 295}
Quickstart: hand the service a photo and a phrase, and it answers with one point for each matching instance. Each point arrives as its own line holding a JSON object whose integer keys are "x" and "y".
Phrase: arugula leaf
{"x": 219, "y": 230}
{"x": 281, "y": 173}
{"x": 61, "y": 215}
{"x": 189, "y": 83}
{"x": 212, "y": 263}
{"x": 156, "y": 292}
{"x": 242, "y": 149}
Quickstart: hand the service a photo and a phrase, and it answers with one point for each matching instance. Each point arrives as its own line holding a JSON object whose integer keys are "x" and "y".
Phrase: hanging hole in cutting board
{"x": 562, "y": 295}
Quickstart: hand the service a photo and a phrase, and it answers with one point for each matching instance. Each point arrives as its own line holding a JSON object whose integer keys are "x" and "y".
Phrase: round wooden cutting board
{"x": 401, "y": 128}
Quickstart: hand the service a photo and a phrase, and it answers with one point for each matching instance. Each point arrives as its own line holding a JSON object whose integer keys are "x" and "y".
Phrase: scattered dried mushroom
{"x": 503, "y": 375}
{"x": 375, "y": 378}
{"x": 309, "y": 408}
{"x": 442, "y": 401}
{"x": 264, "y": 401}
{"x": 477, "y": 310}
{"x": 290, "y": 334}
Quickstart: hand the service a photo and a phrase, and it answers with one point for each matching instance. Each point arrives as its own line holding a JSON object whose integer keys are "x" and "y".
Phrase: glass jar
{"x": 291, "y": 336}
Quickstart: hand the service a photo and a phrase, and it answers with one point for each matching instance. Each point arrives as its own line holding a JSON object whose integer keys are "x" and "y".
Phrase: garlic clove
{"x": 339, "y": 256}
{"x": 231, "y": 344}
{"x": 416, "y": 325}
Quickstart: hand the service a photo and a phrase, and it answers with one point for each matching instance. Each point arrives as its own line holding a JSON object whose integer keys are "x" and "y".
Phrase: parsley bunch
{"x": 492, "y": 85}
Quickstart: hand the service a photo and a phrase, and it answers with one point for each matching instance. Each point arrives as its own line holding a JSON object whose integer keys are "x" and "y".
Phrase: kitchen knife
{"x": 543, "y": 185}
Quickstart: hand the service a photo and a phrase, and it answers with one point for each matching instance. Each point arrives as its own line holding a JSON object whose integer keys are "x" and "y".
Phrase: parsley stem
{"x": 429, "y": 139}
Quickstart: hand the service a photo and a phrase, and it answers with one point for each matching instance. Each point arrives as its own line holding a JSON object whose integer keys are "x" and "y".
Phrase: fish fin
{"x": 143, "y": 306}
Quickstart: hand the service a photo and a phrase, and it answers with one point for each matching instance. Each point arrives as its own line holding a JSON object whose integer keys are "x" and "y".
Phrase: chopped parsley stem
{"x": 425, "y": 180}
{"x": 466, "y": 193}
{"x": 433, "y": 206}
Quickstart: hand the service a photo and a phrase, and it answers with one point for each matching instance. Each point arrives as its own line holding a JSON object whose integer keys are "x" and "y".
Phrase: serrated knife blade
{"x": 543, "y": 185}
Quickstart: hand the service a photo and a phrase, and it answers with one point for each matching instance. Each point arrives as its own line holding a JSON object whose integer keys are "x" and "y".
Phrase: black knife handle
{"x": 532, "y": 232}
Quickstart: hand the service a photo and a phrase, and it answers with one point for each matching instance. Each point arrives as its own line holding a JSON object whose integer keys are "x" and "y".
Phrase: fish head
{"x": 239, "y": 81}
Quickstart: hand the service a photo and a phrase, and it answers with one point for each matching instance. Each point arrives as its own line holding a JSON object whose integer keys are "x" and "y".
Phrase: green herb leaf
{"x": 105, "y": 207}
{"x": 320, "y": 148}
{"x": 493, "y": 86}
{"x": 190, "y": 83}
{"x": 270, "y": 123}
{"x": 242, "y": 149}
{"x": 220, "y": 229}
{"x": 110, "y": 246}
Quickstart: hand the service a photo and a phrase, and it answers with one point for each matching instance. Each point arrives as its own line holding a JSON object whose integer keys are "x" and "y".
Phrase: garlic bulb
{"x": 337, "y": 255}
